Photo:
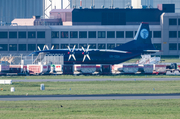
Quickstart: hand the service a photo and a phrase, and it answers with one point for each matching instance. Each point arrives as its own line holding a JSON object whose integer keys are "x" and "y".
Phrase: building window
{"x": 3, "y": 47}
{"x": 101, "y": 46}
{"x": 157, "y": 34}
{"x": 92, "y": 34}
{"x": 41, "y": 34}
{"x": 129, "y": 34}
{"x": 82, "y": 34}
{"x": 22, "y": 47}
{"x": 64, "y": 46}
{"x": 110, "y": 34}
{"x": 118, "y": 44}
{"x": 41, "y": 46}
{"x": 56, "y": 46}
{"x": 172, "y": 46}
{"x": 83, "y": 45}
{"x": 12, "y": 47}
{"x": 172, "y": 21}
{"x": 178, "y": 34}
{"x": 4, "y": 34}
{"x": 178, "y": 21}
{"x": 73, "y": 34}
{"x": 172, "y": 34}
{"x": 31, "y": 34}
{"x": 72, "y": 45}
{"x": 12, "y": 34}
{"x": 179, "y": 46}
{"x": 157, "y": 46}
{"x": 31, "y": 47}
{"x": 110, "y": 46}
{"x": 119, "y": 34}
{"x": 64, "y": 34}
{"x": 92, "y": 46}
{"x": 55, "y": 34}
{"x": 22, "y": 34}
{"x": 101, "y": 34}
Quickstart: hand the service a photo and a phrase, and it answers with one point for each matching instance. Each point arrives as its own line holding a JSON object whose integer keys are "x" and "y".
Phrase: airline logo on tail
{"x": 144, "y": 33}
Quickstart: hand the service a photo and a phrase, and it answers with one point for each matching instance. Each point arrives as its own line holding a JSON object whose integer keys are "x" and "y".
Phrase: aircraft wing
{"x": 118, "y": 51}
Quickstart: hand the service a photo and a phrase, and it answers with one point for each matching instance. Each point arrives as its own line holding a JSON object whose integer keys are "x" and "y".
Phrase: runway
{"x": 91, "y": 97}
{"x": 110, "y": 79}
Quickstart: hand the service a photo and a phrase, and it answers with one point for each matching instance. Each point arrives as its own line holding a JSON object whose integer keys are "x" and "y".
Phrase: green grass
{"x": 92, "y": 87}
{"x": 87, "y": 77}
{"x": 98, "y": 109}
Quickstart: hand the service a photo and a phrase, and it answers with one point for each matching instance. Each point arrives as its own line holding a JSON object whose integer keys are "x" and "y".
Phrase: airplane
{"x": 141, "y": 44}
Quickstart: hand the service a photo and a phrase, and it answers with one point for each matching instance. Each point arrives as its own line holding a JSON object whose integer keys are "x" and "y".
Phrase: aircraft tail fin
{"x": 142, "y": 40}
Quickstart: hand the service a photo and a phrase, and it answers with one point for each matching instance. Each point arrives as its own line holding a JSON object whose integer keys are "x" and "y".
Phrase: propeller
{"x": 71, "y": 53}
{"x": 45, "y": 47}
{"x": 85, "y": 53}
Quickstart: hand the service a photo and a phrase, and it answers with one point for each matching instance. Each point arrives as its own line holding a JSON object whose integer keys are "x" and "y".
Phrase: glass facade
{"x": 31, "y": 34}
{"x": 4, "y": 34}
{"x": 64, "y": 46}
{"x": 119, "y": 34}
{"x": 157, "y": 34}
{"x": 172, "y": 46}
{"x": 92, "y": 34}
{"x": 41, "y": 34}
{"x": 84, "y": 45}
{"x": 101, "y": 34}
{"x": 64, "y": 34}
{"x": 22, "y": 47}
{"x": 110, "y": 34}
{"x": 110, "y": 45}
{"x": 172, "y": 34}
{"x": 31, "y": 47}
{"x": 172, "y": 21}
{"x": 4, "y": 47}
{"x": 92, "y": 46}
{"x": 82, "y": 34}
{"x": 73, "y": 34}
{"x": 129, "y": 34}
{"x": 56, "y": 46}
{"x": 12, "y": 34}
{"x": 101, "y": 46}
{"x": 55, "y": 34}
{"x": 21, "y": 34}
{"x": 157, "y": 46}
{"x": 12, "y": 47}
{"x": 72, "y": 45}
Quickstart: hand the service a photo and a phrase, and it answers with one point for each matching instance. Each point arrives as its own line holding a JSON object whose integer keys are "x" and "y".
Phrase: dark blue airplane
{"x": 140, "y": 45}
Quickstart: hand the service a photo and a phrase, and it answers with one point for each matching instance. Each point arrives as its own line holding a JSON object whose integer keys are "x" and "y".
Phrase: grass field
{"x": 92, "y": 87}
{"x": 87, "y": 77}
{"x": 98, "y": 109}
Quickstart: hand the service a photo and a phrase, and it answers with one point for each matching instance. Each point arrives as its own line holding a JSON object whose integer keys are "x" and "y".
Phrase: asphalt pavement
{"x": 90, "y": 97}
{"x": 110, "y": 79}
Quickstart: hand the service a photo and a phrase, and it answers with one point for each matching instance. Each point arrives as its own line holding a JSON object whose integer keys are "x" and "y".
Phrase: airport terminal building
{"x": 99, "y": 28}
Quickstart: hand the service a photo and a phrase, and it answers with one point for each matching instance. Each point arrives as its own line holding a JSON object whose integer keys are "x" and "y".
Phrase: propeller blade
{"x": 47, "y": 47}
{"x": 44, "y": 47}
{"x": 87, "y": 48}
{"x": 83, "y": 49}
{"x": 52, "y": 47}
{"x": 39, "y": 48}
{"x": 73, "y": 56}
{"x": 73, "y": 48}
{"x": 69, "y": 57}
{"x": 88, "y": 57}
{"x": 84, "y": 58}
{"x": 69, "y": 48}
